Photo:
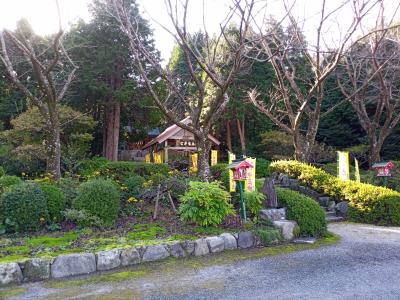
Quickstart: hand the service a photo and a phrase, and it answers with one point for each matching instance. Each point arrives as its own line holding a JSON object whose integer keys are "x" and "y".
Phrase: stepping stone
{"x": 331, "y": 219}
{"x": 306, "y": 240}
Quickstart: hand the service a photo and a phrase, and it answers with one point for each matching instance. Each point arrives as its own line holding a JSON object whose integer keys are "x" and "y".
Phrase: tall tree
{"x": 211, "y": 71}
{"x": 370, "y": 79}
{"x": 295, "y": 101}
{"x": 52, "y": 72}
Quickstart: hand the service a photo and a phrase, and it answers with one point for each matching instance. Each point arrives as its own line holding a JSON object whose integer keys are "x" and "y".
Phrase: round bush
{"x": 305, "y": 211}
{"x": 24, "y": 207}
{"x": 56, "y": 201}
{"x": 134, "y": 185}
{"x": 7, "y": 181}
{"x": 205, "y": 204}
{"x": 100, "y": 198}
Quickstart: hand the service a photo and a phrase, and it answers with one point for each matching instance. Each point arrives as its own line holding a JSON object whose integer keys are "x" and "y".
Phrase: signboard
{"x": 343, "y": 165}
{"x": 214, "y": 157}
{"x": 357, "y": 170}
{"x": 250, "y": 184}
{"x": 383, "y": 169}
{"x": 232, "y": 183}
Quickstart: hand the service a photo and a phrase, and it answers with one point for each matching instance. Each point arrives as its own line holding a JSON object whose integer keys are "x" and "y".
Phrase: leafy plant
{"x": 205, "y": 204}
{"x": 268, "y": 235}
{"x": 2, "y": 172}
{"x": 220, "y": 172}
{"x": 262, "y": 168}
{"x": 100, "y": 198}
{"x": 305, "y": 211}
{"x": 146, "y": 231}
{"x": 82, "y": 218}
{"x": 135, "y": 185}
{"x": 56, "y": 201}
{"x": 254, "y": 202}
{"x": 24, "y": 206}
{"x": 69, "y": 187}
{"x": 7, "y": 181}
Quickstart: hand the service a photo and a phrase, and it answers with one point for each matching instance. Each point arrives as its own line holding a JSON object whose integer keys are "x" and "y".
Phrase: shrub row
{"x": 123, "y": 169}
{"x": 367, "y": 203}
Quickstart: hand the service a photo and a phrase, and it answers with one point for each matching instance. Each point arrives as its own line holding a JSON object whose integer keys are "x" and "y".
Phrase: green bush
{"x": 305, "y": 211}
{"x": 262, "y": 168}
{"x": 7, "y": 181}
{"x": 91, "y": 165}
{"x": 135, "y": 185}
{"x": 367, "y": 203}
{"x": 56, "y": 201}
{"x": 205, "y": 204}
{"x": 268, "y": 235}
{"x": 123, "y": 169}
{"x": 254, "y": 202}
{"x": 100, "y": 198}
{"x": 24, "y": 207}
{"x": 82, "y": 218}
{"x": 220, "y": 172}
{"x": 2, "y": 172}
{"x": 69, "y": 186}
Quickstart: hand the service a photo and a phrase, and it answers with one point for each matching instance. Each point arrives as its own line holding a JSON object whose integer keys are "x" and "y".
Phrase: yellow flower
{"x": 42, "y": 220}
{"x": 23, "y": 174}
{"x": 132, "y": 199}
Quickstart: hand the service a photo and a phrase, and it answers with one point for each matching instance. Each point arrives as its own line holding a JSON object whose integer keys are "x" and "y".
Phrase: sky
{"x": 42, "y": 15}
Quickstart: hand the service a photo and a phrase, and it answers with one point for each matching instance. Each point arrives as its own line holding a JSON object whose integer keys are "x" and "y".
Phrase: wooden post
{"x": 171, "y": 201}
{"x": 166, "y": 151}
{"x": 157, "y": 202}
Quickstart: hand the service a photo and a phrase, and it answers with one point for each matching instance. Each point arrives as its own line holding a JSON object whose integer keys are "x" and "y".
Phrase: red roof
{"x": 171, "y": 130}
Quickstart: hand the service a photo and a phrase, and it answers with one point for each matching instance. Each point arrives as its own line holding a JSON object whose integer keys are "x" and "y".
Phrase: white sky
{"x": 43, "y": 17}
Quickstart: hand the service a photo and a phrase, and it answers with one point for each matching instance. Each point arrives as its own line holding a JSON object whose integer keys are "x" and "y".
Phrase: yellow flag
{"x": 158, "y": 158}
{"x": 232, "y": 183}
{"x": 357, "y": 170}
{"x": 194, "y": 157}
{"x": 214, "y": 157}
{"x": 343, "y": 165}
{"x": 250, "y": 185}
{"x": 147, "y": 158}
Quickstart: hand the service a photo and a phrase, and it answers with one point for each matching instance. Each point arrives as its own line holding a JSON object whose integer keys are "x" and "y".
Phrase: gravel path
{"x": 365, "y": 264}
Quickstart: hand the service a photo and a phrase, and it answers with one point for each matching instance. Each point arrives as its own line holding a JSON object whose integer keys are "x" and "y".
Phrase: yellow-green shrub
{"x": 367, "y": 203}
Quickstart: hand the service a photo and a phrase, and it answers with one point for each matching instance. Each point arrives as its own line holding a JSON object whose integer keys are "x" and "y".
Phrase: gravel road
{"x": 365, "y": 264}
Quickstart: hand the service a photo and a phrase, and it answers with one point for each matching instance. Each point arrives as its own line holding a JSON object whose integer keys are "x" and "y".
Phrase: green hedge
{"x": 124, "y": 169}
{"x": 56, "y": 201}
{"x": 24, "y": 206}
{"x": 220, "y": 172}
{"x": 262, "y": 168}
{"x": 305, "y": 211}
{"x": 367, "y": 203}
{"x": 7, "y": 181}
{"x": 100, "y": 198}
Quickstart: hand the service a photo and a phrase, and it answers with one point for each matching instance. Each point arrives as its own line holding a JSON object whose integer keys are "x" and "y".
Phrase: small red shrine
{"x": 383, "y": 169}
{"x": 239, "y": 169}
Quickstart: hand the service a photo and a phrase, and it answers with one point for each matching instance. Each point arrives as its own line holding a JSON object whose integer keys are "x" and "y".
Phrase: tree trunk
{"x": 229, "y": 136}
{"x": 240, "y": 127}
{"x": 203, "y": 162}
{"x": 375, "y": 148}
{"x": 53, "y": 145}
{"x": 111, "y": 131}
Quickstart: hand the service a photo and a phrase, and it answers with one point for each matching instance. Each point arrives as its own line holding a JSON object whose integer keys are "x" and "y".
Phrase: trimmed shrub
{"x": 24, "y": 207}
{"x": 123, "y": 169}
{"x": 367, "y": 203}
{"x": 262, "y": 168}
{"x": 205, "y": 204}
{"x": 56, "y": 201}
{"x": 305, "y": 211}
{"x": 99, "y": 197}
{"x": 220, "y": 172}
{"x": 7, "y": 181}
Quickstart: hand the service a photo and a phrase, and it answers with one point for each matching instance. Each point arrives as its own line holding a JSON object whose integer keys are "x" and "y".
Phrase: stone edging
{"x": 37, "y": 269}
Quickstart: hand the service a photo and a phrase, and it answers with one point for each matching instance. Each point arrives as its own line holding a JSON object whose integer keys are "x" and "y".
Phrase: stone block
{"x": 245, "y": 239}
{"x": 201, "y": 247}
{"x": 305, "y": 240}
{"x": 287, "y": 227}
{"x": 230, "y": 241}
{"x": 189, "y": 247}
{"x": 273, "y": 214}
{"x": 10, "y": 273}
{"x": 324, "y": 201}
{"x": 36, "y": 269}
{"x": 107, "y": 260}
{"x": 156, "y": 252}
{"x": 176, "y": 250}
{"x": 130, "y": 256}
{"x": 342, "y": 208}
{"x": 73, "y": 264}
{"x": 215, "y": 244}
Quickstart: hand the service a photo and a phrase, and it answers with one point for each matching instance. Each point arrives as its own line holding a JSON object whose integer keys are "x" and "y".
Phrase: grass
{"x": 52, "y": 242}
{"x": 11, "y": 292}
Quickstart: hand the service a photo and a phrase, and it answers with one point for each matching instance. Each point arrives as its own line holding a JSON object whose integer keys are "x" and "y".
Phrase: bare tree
{"x": 212, "y": 70}
{"x": 47, "y": 63}
{"x": 370, "y": 80}
{"x": 295, "y": 100}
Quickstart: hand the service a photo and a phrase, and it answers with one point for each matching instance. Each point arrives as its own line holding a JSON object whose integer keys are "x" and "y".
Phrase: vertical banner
{"x": 194, "y": 158}
{"x": 250, "y": 184}
{"x": 147, "y": 158}
{"x": 214, "y": 157}
{"x": 158, "y": 158}
{"x": 343, "y": 165}
{"x": 232, "y": 183}
{"x": 357, "y": 170}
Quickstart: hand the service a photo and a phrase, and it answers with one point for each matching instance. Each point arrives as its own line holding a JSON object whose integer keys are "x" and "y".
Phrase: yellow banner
{"x": 343, "y": 165}
{"x": 158, "y": 159}
{"x": 147, "y": 158}
{"x": 194, "y": 158}
{"x": 357, "y": 170}
{"x": 232, "y": 183}
{"x": 214, "y": 157}
{"x": 250, "y": 185}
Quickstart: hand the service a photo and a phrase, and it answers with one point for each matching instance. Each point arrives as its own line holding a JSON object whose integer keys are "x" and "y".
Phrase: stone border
{"x": 37, "y": 269}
